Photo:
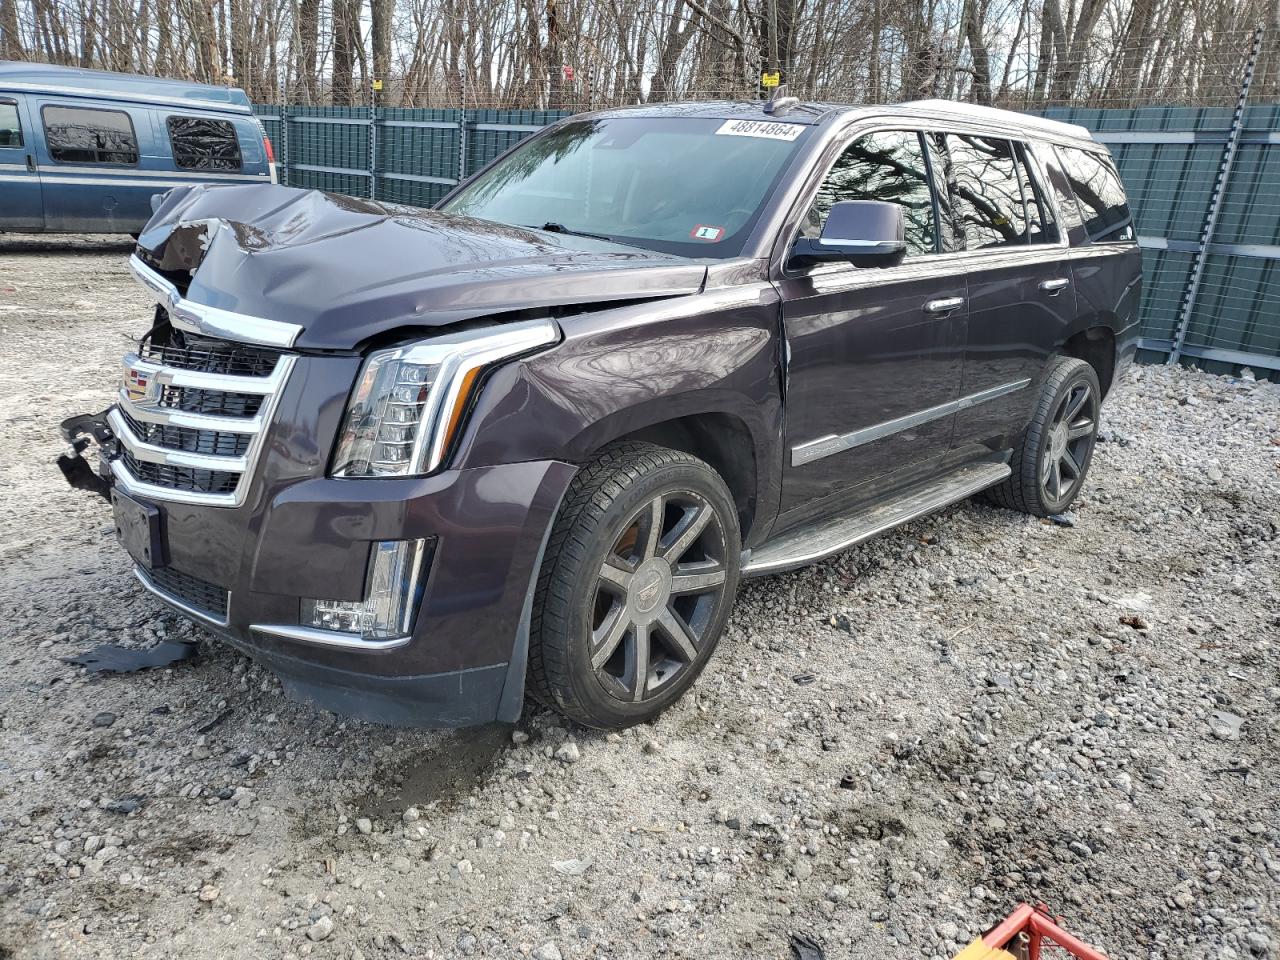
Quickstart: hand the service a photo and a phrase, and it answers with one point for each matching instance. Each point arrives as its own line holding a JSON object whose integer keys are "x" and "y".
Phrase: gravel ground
{"x": 890, "y": 750}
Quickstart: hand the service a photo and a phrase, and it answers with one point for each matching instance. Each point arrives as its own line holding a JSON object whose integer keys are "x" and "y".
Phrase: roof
{"x": 805, "y": 113}
{"x": 75, "y": 81}
{"x": 810, "y": 112}
{"x": 971, "y": 111}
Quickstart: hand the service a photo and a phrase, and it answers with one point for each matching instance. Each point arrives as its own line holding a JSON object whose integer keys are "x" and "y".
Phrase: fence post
{"x": 1215, "y": 200}
{"x": 282, "y": 164}
{"x": 462, "y": 144}
{"x": 373, "y": 141}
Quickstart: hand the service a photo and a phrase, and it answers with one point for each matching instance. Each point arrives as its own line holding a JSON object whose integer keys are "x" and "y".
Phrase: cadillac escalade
{"x": 419, "y": 461}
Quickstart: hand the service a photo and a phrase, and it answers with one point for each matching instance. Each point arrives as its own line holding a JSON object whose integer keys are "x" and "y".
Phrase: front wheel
{"x": 1053, "y": 455}
{"x": 634, "y": 592}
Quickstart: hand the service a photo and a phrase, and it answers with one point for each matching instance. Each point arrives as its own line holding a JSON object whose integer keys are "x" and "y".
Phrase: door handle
{"x": 31, "y": 163}
{"x": 1054, "y": 287}
{"x": 945, "y": 305}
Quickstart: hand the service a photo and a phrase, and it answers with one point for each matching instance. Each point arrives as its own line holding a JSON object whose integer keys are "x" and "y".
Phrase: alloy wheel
{"x": 1067, "y": 446}
{"x": 656, "y": 595}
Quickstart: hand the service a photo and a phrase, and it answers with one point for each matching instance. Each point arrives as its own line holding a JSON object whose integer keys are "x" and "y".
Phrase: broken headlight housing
{"x": 409, "y": 401}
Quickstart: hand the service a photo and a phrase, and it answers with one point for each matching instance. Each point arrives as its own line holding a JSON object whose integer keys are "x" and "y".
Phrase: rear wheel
{"x": 1051, "y": 459}
{"x": 636, "y": 587}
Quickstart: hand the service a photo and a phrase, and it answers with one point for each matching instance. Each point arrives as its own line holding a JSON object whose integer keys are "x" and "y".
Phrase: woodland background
{"x": 578, "y": 54}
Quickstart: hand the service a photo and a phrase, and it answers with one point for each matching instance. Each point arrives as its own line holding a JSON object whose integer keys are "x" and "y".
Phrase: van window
{"x": 1097, "y": 187}
{"x": 202, "y": 143}
{"x": 888, "y": 165}
{"x": 986, "y": 192}
{"x": 80, "y": 135}
{"x": 10, "y": 128}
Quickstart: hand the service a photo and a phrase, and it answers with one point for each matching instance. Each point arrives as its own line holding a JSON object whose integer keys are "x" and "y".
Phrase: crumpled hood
{"x": 346, "y": 270}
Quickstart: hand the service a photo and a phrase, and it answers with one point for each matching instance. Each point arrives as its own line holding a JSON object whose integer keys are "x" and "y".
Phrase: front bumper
{"x": 464, "y": 661}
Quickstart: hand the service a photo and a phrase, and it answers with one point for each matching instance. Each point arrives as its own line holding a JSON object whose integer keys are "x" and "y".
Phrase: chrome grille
{"x": 194, "y": 406}
{"x": 217, "y": 442}
{"x": 212, "y": 356}
{"x": 165, "y": 475}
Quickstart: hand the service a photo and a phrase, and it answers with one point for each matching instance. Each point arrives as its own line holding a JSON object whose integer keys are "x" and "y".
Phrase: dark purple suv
{"x": 419, "y": 461}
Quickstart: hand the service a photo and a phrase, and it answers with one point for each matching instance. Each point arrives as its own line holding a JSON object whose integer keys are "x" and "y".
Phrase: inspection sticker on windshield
{"x": 765, "y": 129}
{"x": 701, "y": 232}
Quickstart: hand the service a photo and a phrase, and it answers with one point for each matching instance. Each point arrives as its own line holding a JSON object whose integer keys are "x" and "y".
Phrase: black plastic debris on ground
{"x": 805, "y": 947}
{"x": 113, "y": 658}
{"x": 126, "y": 805}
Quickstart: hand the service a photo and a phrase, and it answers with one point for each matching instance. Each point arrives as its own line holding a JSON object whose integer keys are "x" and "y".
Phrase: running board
{"x": 811, "y": 544}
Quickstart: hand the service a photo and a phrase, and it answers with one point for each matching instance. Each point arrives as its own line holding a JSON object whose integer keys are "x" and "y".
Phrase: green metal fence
{"x": 400, "y": 155}
{"x": 1209, "y": 227}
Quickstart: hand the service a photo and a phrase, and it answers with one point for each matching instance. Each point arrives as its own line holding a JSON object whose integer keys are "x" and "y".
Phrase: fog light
{"x": 391, "y": 593}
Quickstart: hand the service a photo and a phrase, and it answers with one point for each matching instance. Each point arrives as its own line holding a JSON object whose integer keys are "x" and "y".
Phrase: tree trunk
{"x": 10, "y": 39}
{"x": 978, "y": 51}
{"x": 381, "y": 13}
{"x": 345, "y": 38}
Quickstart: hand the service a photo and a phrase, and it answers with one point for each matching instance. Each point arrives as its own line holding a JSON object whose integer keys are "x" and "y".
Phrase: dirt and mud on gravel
{"x": 889, "y": 751}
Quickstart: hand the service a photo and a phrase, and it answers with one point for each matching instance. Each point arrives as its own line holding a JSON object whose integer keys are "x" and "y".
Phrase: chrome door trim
{"x": 813, "y": 450}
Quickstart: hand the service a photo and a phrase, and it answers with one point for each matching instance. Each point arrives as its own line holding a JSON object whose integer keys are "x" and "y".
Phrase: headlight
{"x": 409, "y": 401}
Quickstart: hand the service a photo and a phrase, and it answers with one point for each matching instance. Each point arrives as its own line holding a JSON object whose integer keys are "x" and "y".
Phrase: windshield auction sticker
{"x": 703, "y": 232}
{"x": 765, "y": 129}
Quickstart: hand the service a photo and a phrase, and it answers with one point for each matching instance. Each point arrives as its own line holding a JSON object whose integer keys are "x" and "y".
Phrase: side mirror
{"x": 867, "y": 232}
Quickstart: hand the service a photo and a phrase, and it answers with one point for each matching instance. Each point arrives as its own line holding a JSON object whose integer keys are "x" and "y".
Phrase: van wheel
{"x": 1052, "y": 457}
{"x": 636, "y": 586}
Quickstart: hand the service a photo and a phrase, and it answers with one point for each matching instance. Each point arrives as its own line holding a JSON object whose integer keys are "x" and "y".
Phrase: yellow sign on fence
{"x": 770, "y": 80}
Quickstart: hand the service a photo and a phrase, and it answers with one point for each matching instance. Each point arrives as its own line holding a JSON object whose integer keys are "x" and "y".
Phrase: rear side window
{"x": 986, "y": 192}
{"x": 1062, "y": 194}
{"x": 1098, "y": 189}
{"x": 1041, "y": 227}
{"x": 10, "y": 128}
{"x": 202, "y": 143}
{"x": 888, "y": 165}
{"x": 79, "y": 135}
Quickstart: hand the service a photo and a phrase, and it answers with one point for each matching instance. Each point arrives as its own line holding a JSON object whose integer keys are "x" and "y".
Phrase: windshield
{"x": 682, "y": 185}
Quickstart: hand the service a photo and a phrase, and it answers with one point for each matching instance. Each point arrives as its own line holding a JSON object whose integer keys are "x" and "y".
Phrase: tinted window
{"x": 201, "y": 143}
{"x": 951, "y": 237}
{"x": 10, "y": 128}
{"x": 76, "y": 135}
{"x": 1068, "y": 210}
{"x": 1041, "y": 227}
{"x": 1097, "y": 187}
{"x": 986, "y": 192}
{"x": 683, "y": 185}
{"x": 890, "y": 166}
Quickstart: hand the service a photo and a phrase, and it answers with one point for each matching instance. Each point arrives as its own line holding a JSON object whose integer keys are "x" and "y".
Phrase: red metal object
{"x": 1036, "y": 926}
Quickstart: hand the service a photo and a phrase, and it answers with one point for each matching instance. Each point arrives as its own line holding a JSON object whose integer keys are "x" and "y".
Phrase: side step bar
{"x": 807, "y": 545}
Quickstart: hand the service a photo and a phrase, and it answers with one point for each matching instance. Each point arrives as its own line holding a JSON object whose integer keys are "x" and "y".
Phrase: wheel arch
{"x": 723, "y": 441}
{"x": 1096, "y": 346}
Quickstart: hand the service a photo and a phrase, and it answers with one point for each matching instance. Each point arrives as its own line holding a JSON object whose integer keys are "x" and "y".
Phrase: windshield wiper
{"x": 552, "y": 227}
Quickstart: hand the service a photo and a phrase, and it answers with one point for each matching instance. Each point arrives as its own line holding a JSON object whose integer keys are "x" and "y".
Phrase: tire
{"x": 624, "y": 620}
{"x": 1040, "y": 450}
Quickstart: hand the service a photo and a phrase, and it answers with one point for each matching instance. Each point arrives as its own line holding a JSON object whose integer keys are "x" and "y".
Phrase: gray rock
{"x": 568, "y": 752}
{"x": 320, "y": 930}
{"x": 1225, "y": 726}
{"x": 548, "y": 951}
